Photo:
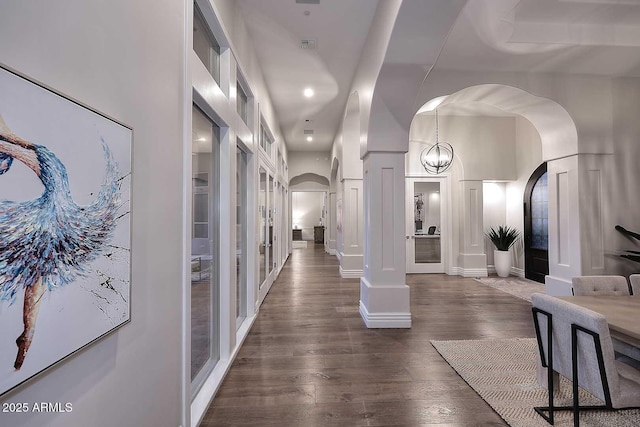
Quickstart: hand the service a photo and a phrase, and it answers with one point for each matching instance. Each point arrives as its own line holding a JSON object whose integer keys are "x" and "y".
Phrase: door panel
{"x": 536, "y": 223}
{"x": 426, "y": 224}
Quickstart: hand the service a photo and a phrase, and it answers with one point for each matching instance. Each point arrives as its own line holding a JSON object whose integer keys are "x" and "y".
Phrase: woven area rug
{"x": 516, "y": 286}
{"x": 503, "y": 373}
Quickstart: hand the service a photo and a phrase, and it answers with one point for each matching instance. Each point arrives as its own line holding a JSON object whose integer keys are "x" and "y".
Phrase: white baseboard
{"x": 469, "y": 272}
{"x": 385, "y": 320}
{"x": 351, "y": 274}
{"x": 515, "y": 271}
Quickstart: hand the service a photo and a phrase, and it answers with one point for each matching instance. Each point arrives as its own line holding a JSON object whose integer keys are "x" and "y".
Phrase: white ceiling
{"x": 599, "y": 37}
{"x": 469, "y": 109}
{"x": 340, "y": 28}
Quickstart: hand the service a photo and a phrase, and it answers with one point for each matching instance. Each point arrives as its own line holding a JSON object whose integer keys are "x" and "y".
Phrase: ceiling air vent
{"x": 308, "y": 132}
{"x": 308, "y": 1}
{"x": 308, "y": 44}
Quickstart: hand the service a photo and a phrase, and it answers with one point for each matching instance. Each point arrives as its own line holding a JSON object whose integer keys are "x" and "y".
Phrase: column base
{"x": 351, "y": 266}
{"x": 557, "y": 286}
{"x": 472, "y": 265}
{"x": 385, "y": 306}
{"x": 350, "y": 274}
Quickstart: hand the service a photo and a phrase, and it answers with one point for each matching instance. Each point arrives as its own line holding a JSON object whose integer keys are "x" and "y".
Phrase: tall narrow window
{"x": 242, "y": 102}
{"x": 205, "y": 351}
{"x": 205, "y": 44}
{"x": 262, "y": 202}
{"x": 265, "y": 140}
{"x": 241, "y": 236}
{"x": 271, "y": 211}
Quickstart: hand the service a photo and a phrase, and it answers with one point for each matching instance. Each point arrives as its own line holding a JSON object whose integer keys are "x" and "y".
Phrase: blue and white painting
{"x": 64, "y": 227}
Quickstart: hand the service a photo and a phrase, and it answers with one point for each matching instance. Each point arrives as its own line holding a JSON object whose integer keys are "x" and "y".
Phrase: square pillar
{"x": 576, "y": 219}
{"x": 472, "y": 260}
{"x": 384, "y": 294}
{"x": 351, "y": 258}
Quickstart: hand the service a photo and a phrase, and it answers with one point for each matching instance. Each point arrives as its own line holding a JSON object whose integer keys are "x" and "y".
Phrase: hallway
{"x": 310, "y": 361}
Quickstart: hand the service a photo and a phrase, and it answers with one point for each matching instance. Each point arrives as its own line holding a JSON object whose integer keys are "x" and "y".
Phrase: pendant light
{"x": 437, "y": 158}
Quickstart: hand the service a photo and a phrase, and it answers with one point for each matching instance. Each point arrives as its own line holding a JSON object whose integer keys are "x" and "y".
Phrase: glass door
{"x": 283, "y": 225}
{"x": 241, "y": 236}
{"x": 205, "y": 335}
{"x": 262, "y": 203}
{"x": 270, "y": 222}
{"x": 536, "y": 226}
{"x": 427, "y": 226}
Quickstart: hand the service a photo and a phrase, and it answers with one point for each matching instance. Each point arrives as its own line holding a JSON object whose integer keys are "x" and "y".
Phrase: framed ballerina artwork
{"x": 65, "y": 185}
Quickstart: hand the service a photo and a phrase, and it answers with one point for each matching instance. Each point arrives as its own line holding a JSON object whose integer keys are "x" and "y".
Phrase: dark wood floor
{"x": 310, "y": 361}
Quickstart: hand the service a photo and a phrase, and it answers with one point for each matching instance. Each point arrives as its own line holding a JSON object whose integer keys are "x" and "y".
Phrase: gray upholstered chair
{"x": 600, "y": 285}
{"x": 635, "y": 284}
{"x": 559, "y": 326}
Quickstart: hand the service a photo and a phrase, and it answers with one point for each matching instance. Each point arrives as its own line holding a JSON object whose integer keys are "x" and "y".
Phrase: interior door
{"x": 427, "y": 225}
{"x": 262, "y": 246}
{"x": 536, "y": 226}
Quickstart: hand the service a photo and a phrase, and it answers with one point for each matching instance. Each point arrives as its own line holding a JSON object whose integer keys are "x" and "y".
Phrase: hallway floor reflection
{"x": 309, "y": 360}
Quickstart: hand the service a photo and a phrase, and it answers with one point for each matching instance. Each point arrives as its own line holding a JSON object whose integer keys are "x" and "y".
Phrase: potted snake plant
{"x": 502, "y": 237}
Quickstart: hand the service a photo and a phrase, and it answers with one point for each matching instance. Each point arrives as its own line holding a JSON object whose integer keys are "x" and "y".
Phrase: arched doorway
{"x": 536, "y": 226}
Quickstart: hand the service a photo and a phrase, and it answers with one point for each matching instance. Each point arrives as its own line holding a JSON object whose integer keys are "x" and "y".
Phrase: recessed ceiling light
{"x": 308, "y": 92}
{"x": 309, "y": 138}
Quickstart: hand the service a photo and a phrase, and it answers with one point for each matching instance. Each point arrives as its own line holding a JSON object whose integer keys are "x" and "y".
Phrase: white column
{"x": 351, "y": 259}
{"x": 576, "y": 219}
{"x": 472, "y": 259}
{"x": 384, "y": 294}
{"x": 331, "y": 224}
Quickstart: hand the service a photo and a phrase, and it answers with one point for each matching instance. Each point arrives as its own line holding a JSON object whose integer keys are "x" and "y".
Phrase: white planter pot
{"x": 502, "y": 262}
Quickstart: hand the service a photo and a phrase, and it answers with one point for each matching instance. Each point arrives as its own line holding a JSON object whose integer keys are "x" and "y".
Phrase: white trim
{"x": 557, "y": 286}
{"x": 351, "y": 274}
{"x": 517, "y": 271}
{"x": 203, "y": 399}
{"x": 470, "y": 272}
{"x": 385, "y": 320}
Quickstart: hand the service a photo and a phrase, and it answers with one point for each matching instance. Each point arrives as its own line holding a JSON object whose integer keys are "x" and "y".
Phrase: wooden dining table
{"x": 622, "y": 314}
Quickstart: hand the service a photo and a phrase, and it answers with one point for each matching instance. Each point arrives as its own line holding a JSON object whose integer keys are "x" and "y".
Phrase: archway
{"x": 308, "y": 208}
{"x": 557, "y": 135}
{"x": 536, "y": 225}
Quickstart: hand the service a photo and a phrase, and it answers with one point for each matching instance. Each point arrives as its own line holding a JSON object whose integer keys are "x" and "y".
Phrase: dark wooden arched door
{"x": 536, "y": 226}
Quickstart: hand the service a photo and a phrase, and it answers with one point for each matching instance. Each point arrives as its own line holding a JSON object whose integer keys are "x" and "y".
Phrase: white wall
{"x": 494, "y": 212}
{"x": 502, "y": 150}
{"x": 306, "y": 210}
{"x": 484, "y": 145}
{"x": 621, "y": 198}
{"x": 528, "y": 158}
{"x": 316, "y": 162}
{"x": 126, "y": 60}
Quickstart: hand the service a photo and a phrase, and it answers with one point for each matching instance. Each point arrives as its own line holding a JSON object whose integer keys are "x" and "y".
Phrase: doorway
{"x": 427, "y": 225}
{"x": 307, "y": 215}
{"x": 536, "y": 226}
